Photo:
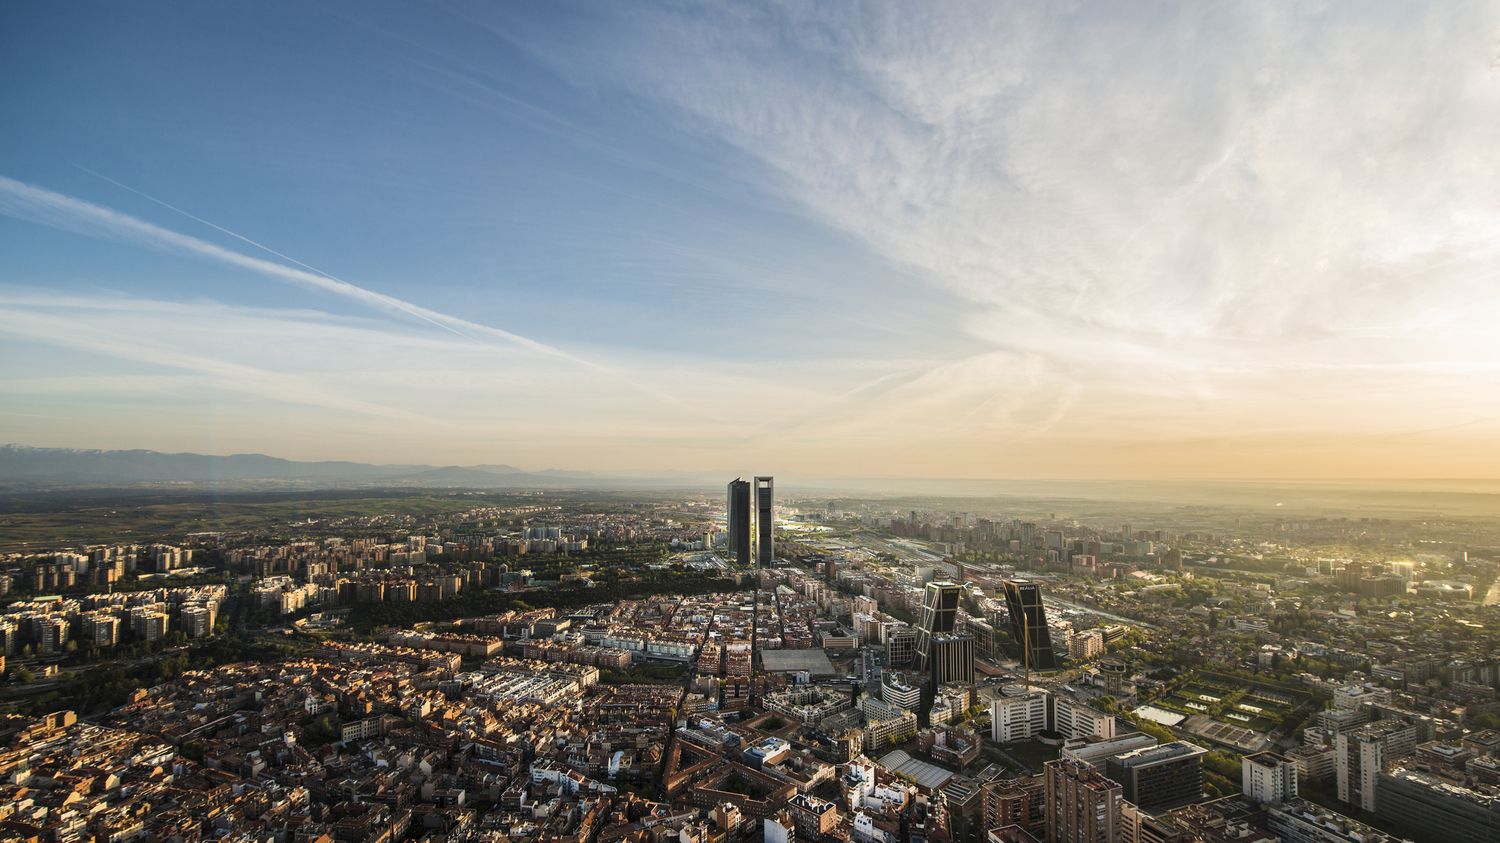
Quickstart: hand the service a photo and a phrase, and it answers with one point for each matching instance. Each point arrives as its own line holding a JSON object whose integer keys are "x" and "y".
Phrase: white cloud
{"x": 1159, "y": 211}
{"x": 1170, "y": 226}
{"x": 434, "y": 396}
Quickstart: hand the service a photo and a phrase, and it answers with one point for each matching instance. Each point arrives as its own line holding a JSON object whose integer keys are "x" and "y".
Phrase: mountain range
{"x": 25, "y": 466}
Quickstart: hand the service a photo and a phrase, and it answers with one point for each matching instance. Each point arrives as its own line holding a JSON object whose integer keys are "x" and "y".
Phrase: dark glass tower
{"x": 739, "y": 520}
{"x": 952, "y": 659}
{"x": 939, "y": 617}
{"x": 1028, "y": 620}
{"x": 765, "y": 522}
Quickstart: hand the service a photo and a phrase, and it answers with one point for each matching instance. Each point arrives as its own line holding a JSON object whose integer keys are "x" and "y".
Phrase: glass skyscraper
{"x": 765, "y": 522}
{"x": 739, "y": 520}
{"x": 939, "y": 616}
{"x": 1028, "y": 620}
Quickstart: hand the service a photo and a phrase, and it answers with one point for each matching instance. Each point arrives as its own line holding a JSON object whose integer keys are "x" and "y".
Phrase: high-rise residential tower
{"x": 1363, "y": 753}
{"x": 765, "y": 522}
{"x": 739, "y": 520}
{"x": 1268, "y": 778}
{"x": 1082, "y": 805}
{"x": 1028, "y": 620}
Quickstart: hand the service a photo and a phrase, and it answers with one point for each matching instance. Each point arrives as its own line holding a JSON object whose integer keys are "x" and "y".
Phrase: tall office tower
{"x": 939, "y": 615}
{"x": 1158, "y": 778}
{"x": 739, "y": 520}
{"x": 765, "y": 522}
{"x": 1028, "y": 620}
{"x": 1029, "y": 624}
{"x": 1082, "y": 805}
{"x": 952, "y": 659}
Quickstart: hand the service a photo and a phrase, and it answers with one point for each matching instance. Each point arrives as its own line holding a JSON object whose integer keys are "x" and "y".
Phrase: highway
{"x": 1056, "y": 601}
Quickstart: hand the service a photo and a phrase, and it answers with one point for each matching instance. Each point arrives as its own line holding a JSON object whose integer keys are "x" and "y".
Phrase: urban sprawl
{"x": 737, "y": 667}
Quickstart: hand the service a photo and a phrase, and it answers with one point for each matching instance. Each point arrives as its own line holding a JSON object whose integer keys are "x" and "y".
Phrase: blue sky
{"x": 415, "y": 151}
{"x": 955, "y": 240}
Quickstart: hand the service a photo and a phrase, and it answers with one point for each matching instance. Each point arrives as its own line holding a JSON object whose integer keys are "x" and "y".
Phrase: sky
{"x": 1045, "y": 240}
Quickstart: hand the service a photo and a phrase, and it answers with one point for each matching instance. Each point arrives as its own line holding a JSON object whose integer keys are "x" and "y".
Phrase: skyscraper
{"x": 739, "y": 520}
{"x": 939, "y": 615}
{"x": 952, "y": 659}
{"x": 765, "y": 522}
{"x": 1028, "y": 620}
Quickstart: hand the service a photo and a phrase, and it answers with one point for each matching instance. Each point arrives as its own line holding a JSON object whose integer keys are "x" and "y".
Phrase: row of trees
{"x": 104, "y": 688}
{"x": 366, "y": 616}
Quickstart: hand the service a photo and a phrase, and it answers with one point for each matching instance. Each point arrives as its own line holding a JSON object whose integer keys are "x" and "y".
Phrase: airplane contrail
{"x": 25, "y": 201}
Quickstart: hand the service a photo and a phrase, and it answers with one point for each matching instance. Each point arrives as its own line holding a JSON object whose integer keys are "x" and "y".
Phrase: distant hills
{"x": 25, "y": 469}
{"x": 25, "y": 466}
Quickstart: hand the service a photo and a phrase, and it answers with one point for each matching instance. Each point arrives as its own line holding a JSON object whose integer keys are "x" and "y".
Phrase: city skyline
{"x": 860, "y": 422}
{"x": 962, "y": 242}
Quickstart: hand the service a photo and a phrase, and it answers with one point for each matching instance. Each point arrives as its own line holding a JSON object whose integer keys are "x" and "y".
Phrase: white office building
{"x": 1073, "y": 719}
{"x": 1017, "y": 713}
{"x": 1268, "y": 778}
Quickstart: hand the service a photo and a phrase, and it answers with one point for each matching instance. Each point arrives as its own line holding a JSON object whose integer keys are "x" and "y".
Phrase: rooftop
{"x": 1148, "y": 755}
{"x": 812, "y": 660}
{"x": 1483, "y": 798}
{"x": 927, "y": 776}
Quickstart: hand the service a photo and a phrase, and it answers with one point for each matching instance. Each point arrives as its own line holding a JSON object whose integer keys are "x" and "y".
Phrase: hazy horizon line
{"x": 700, "y": 472}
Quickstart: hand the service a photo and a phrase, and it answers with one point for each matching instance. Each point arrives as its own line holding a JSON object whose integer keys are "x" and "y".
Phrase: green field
{"x": 1251, "y": 705}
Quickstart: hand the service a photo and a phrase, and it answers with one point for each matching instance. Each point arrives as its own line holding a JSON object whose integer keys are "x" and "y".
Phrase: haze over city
{"x": 909, "y": 240}
{"x": 445, "y": 421}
